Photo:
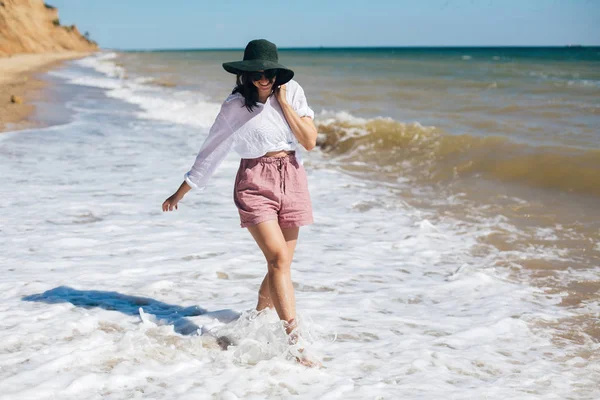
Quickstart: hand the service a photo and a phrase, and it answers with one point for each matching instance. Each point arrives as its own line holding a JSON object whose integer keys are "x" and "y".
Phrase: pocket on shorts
{"x": 245, "y": 179}
{"x": 298, "y": 180}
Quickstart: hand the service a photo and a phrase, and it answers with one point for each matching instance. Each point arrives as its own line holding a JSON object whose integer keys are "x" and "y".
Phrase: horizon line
{"x": 174, "y": 49}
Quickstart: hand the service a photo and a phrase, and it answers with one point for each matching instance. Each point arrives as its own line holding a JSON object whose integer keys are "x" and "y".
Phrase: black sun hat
{"x": 260, "y": 54}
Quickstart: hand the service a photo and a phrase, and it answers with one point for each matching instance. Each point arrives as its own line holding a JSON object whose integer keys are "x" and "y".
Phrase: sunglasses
{"x": 269, "y": 74}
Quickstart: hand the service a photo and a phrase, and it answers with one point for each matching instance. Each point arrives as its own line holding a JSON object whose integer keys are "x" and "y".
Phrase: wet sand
{"x": 18, "y": 78}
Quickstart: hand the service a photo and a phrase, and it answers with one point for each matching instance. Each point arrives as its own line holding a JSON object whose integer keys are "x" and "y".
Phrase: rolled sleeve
{"x": 191, "y": 182}
{"x": 300, "y": 104}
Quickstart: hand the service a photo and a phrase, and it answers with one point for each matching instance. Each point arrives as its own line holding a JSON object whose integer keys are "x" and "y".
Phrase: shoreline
{"x": 18, "y": 77}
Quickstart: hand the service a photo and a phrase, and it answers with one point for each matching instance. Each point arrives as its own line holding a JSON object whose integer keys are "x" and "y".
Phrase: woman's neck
{"x": 262, "y": 99}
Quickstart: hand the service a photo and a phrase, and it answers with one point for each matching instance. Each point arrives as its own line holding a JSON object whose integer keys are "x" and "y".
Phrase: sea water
{"x": 407, "y": 286}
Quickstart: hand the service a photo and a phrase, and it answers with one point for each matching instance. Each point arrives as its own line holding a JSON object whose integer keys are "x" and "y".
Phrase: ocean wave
{"x": 104, "y": 64}
{"x": 157, "y": 101}
{"x": 584, "y": 83}
{"x": 430, "y": 155}
{"x": 393, "y": 148}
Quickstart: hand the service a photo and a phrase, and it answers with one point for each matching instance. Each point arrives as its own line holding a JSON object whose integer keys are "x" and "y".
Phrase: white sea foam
{"x": 103, "y": 295}
{"x": 103, "y": 63}
{"x": 180, "y": 107}
{"x": 584, "y": 83}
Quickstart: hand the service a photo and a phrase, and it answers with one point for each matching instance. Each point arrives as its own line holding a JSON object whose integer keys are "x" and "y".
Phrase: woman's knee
{"x": 279, "y": 262}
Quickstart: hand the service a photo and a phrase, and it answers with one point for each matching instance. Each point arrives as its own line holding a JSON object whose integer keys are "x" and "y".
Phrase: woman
{"x": 264, "y": 119}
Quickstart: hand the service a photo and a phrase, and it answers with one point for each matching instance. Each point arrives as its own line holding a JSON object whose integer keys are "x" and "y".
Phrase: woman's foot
{"x": 296, "y": 349}
{"x": 307, "y": 361}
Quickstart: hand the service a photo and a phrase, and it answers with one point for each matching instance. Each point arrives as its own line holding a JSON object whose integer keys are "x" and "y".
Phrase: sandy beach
{"x": 18, "y": 78}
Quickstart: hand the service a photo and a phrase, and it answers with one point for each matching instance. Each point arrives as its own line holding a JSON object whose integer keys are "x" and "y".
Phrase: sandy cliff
{"x": 31, "y": 26}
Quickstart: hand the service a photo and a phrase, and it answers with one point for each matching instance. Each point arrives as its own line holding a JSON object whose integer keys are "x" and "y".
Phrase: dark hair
{"x": 245, "y": 87}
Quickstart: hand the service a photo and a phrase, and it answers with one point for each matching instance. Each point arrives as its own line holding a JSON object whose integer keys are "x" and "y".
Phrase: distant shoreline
{"x": 18, "y": 79}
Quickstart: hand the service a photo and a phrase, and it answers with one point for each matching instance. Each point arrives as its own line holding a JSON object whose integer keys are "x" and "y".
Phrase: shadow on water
{"x": 166, "y": 314}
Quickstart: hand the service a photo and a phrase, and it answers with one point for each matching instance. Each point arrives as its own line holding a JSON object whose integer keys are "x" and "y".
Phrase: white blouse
{"x": 250, "y": 134}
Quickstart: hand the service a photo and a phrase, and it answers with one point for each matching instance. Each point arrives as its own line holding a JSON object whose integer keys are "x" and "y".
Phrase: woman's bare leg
{"x": 278, "y": 246}
{"x": 264, "y": 294}
{"x": 271, "y": 240}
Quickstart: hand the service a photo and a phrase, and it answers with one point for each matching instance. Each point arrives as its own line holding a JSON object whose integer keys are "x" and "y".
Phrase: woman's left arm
{"x": 303, "y": 127}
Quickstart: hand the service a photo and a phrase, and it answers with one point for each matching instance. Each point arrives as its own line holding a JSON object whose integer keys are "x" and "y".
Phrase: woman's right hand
{"x": 171, "y": 202}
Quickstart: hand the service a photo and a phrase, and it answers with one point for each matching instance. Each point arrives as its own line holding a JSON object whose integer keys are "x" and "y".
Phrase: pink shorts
{"x": 272, "y": 188}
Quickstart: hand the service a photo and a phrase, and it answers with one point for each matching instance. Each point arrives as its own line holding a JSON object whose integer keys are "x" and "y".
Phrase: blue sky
{"x": 151, "y": 24}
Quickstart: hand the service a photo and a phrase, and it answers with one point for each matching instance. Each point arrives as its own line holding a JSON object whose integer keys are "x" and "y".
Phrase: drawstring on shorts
{"x": 282, "y": 164}
{"x": 282, "y": 168}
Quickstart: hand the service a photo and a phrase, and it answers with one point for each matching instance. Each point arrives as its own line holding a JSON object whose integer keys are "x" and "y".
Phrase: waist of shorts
{"x": 291, "y": 155}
